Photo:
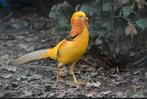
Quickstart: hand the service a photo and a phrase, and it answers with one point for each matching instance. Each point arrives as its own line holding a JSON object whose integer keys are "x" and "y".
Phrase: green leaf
{"x": 93, "y": 33}
{"x": 107, "y": 25}
{"x": 126, "y": 11}
{"x": 52, "y": 14}
{"x": 55, "y": 11}
{"x": 142, "y": 23}
{"x": 88, "y": 9}
{"x": 101, "y": 33}
{"x": 107, "y": 7}
{"x": 53, "y": 8}
{"x": 63, "y": 22}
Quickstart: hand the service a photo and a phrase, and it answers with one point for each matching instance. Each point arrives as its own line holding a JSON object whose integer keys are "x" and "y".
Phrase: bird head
{"x": 78, "y": 21}
{"x": 79, "y": 15}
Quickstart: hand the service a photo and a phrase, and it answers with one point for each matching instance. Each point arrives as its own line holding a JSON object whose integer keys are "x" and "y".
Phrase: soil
{"x": 26, "y": 33}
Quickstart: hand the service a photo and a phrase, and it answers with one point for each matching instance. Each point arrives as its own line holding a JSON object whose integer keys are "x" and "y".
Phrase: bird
{"x": 68, "y": 51}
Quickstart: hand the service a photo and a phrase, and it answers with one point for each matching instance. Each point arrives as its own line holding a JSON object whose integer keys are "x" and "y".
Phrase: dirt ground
{"x": 23, "y": 34}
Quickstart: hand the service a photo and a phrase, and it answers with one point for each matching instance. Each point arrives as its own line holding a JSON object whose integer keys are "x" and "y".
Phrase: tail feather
{"x": 32, "y": 56}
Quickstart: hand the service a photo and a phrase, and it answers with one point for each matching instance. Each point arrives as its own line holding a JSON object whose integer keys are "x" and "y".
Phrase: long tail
{"x": 32, "y": 56}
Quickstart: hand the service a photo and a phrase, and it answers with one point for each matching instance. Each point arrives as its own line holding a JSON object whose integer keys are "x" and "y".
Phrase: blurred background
{"x": 116, "y": 27}
{"x": 118, "y": 32}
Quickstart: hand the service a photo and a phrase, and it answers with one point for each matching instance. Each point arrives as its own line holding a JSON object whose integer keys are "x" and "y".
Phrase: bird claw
{"x": 59, "y": 80}
{"x": 80, "y": 82}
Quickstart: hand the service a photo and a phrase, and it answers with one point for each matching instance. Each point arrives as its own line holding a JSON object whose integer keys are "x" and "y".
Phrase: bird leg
{"x": 75, "y": 80}
{"x": 72, "y": 73}
{"x": 60, "y": 73}
{"x": 72, "y": 68}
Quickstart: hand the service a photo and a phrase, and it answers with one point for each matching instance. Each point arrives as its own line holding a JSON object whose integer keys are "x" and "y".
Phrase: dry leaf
{"x": 12, "y": 69}
{"x": 77, "y": 8}
{"x": 92, "y": 94}
{"x": 130, "y": 30}
{"x": 62, "y": 94}
{"x": 145, "y": 75}
{"x": 6, "y": 76}
{"x": 65, "y": 92}
{"x": 97, "y": 84}
{"x": 65, "y": 5}
{"x": 104, "y": 93}
{"x": 124, "y": 2}
{"x": 140, "y": 3}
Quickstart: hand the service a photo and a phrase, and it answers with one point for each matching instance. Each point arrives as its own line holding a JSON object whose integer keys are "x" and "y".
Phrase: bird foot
{"x": 59, "y": 80}
{"x": 80, "y": 82}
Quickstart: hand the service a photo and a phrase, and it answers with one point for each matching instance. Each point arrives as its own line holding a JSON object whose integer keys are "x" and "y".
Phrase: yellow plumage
{"x": 70, "y": 51}
{"x": 67, "y": 51}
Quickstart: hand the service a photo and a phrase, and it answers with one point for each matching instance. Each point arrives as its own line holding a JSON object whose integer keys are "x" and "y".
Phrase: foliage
{"x": 114, "y": 23}
{"x": 142, "y": 23}
{"x": 60, "y": 13}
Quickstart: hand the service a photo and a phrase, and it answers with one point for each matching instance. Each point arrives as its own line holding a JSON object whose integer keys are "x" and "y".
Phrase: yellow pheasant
{"x": 67, "y": 51}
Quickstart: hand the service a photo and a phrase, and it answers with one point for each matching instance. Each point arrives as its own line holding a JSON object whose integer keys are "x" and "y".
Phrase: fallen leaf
{"x": 27, "y": 93}
{"x": 140, "y": 3}
{"x": 98, "y": 42}
{"x": 68, "y": 91}
{"x": 19, "y": 24}
{"x": 22, "y": 46}
{"x": 124, "y": 2}
{"x": 136, "y": 87}
{"x": 106, "y": 92}
{"x": 1, "y": 95}
{"x": 36, "y": 76}
{"x": 12, "y": 69}
{"x": 138, "y": 95}
{"x": 6, "y": 58}
{"x": 62, "y": 94}
{"x": 51, "y": 94}
{"x": 92, "y": 94}
{"x": 24, "y": 78}
{"x": 119, "y": 94}
{"x": 6, "y": 76}
{"x": 145, "y": 75}
{"x": 19, "y": 37}
{"x": 95, "y": 84}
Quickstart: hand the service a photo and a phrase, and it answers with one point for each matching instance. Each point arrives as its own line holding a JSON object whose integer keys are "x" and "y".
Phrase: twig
{"x": 140, "y": 60}
{"x": 136, "y": 72}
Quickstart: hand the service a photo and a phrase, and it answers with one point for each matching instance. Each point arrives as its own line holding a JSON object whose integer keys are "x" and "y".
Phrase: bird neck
{"x": 83, "y": 36}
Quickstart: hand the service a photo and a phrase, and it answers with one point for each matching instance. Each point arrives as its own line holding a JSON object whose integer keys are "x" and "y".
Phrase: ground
{"x": 23, "y": 34}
